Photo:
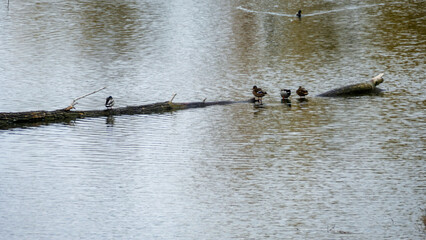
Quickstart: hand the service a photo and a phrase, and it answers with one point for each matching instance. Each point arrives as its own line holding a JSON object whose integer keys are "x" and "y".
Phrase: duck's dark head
{"x": 254, "y": 87}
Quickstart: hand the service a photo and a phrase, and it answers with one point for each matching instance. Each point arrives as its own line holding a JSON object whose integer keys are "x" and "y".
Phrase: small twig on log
{"x": 174, "y": 95}
{"x": 204, "y": 101}
{"x": 74, "y": 102}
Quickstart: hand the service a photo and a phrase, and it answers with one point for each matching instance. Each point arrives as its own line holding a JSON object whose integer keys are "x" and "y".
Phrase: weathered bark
{"x": 368, "y": 87}
{"x": 13, "y": 119}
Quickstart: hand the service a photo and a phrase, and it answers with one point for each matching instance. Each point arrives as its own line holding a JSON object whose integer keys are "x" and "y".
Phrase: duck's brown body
{"x": 302, "y": 92}
{"x": 259, "y": 94}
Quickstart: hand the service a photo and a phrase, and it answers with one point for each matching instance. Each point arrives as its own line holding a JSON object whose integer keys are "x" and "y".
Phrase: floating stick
{"x": 74, "y": 102}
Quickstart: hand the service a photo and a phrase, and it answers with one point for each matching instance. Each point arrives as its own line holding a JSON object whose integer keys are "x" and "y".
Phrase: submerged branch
{"x": 8, "y": 120}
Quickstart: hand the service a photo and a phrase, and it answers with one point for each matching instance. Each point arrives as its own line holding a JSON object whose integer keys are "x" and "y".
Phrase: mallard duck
{"x": 258, "y": 93}
{"x": 299, "y": 14}
{"x": 285, "y": 93}
{"x": 302, "y": 92}
{"x": 109, "y": 102}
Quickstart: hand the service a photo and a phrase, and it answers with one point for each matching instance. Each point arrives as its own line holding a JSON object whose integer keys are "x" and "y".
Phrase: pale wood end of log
{"x": 368, "y": 87}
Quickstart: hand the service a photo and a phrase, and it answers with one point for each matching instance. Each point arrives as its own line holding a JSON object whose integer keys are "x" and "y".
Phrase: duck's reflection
{"x": 110, "y": 121}
{"x": 301, "y": 100}
{"x": 286, "y": 101}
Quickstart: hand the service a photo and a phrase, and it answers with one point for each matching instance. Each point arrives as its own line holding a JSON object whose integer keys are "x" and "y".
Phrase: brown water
{"x": 325, "y": 168}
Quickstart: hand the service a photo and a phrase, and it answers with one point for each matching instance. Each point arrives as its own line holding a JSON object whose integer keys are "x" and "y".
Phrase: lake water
{"x": 325, "y": 168}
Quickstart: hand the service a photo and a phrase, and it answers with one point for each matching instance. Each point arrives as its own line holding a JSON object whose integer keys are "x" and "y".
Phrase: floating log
{"x": 368, "y": 87}
{"x": 16, "y": 119}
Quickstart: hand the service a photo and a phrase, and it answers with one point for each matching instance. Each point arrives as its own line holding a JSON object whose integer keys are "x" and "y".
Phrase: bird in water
{"x": 285, "y": 93}
{"x": 109, "y": 102}
{"x": 302, "y": 92}
{"x": 259, "y": 94}
{"x": 299, "y": 14}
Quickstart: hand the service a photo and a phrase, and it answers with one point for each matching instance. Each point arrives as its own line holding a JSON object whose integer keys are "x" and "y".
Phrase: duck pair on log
{"x": 16, "y": 119}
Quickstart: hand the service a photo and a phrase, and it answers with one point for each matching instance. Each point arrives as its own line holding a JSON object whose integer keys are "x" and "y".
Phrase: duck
{"x": 299, "y": 14}
{"x": 259, "y": 94}
{"x": 285, "y": 93}
{"x": 109, "y": 102}
{"x": 302, "y": 92}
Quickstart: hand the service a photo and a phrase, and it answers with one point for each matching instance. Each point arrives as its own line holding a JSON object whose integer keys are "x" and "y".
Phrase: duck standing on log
{"x": 109, "y": 103}
{"x": 285, "y": 93}
{"x": 302, "y": 92}
{"x": 258, "y": 94}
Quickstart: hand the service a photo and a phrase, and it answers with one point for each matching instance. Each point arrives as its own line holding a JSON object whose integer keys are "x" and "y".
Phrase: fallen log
{"x": 16, "y": 119}
{"x": 368, "y": 87}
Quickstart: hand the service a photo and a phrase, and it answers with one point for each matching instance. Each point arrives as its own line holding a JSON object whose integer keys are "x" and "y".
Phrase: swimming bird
{"x": 299, "y": 14}
{"x": 285, "y": 93}
{"x": 259, "y": 94}
{"x": 302, "y": 92}
{"x": 109, "y": 102}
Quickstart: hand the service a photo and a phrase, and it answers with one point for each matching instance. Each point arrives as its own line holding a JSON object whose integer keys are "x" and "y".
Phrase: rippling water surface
{"x": 325, "y": 168}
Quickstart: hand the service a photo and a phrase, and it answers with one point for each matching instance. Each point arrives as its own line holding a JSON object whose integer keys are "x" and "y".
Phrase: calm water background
{"x": 326, "y": 168}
